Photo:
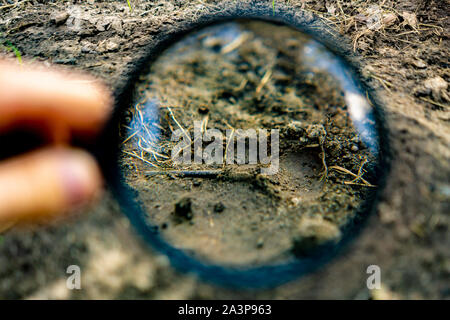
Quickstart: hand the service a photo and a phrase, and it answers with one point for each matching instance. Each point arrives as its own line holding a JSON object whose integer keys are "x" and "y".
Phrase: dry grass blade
{"x": 129, "y": 137}
{"x": 264, "y": 81}
{"x": 233, "y": 45}
{"x": 141, "y": 158}
{"x": 365, "y": 182}
{"x": 178, "y": 124}
{"x": 324, "y": 163}
{"x": 13, "y": 5}
{"x": 360, "y": 171}
{"x": 434, "y": 102}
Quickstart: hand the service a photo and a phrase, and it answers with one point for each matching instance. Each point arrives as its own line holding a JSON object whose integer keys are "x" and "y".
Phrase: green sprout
{"x": 10, "y": 47}
{"x": 129, "y": 5}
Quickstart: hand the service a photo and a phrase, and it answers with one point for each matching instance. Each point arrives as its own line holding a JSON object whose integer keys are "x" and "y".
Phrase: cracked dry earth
{"x": 404, "y": 49}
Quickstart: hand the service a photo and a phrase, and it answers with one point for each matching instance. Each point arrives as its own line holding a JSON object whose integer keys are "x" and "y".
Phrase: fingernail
{"x": 81, "y": 178}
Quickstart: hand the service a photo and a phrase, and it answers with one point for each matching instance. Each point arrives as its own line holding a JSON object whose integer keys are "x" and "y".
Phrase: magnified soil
{"x": 244, "y": 75}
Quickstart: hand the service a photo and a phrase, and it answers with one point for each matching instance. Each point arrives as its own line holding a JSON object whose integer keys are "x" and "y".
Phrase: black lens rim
{"x": 108, "y": 148}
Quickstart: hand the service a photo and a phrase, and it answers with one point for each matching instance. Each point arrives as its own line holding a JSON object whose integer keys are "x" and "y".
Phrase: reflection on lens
{"x": 249, "y": 143}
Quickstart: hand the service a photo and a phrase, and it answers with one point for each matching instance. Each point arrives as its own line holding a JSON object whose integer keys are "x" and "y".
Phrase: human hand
{"x": 52, "y": 180}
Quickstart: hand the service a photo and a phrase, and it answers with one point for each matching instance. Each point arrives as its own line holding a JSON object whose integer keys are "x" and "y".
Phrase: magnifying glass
{"x": 245, "y": 147}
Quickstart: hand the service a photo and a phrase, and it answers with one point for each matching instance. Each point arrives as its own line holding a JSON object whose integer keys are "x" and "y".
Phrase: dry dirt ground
{"x": 405, "y": 49}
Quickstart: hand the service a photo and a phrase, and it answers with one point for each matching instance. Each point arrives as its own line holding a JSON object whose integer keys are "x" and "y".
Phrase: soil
{"x": 405, "y": 56}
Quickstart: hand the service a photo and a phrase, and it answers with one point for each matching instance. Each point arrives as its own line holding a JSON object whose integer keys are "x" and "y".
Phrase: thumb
{"x": 47, "y": 183}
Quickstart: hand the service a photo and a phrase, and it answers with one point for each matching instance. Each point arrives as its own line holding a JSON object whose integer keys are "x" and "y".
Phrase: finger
{"x": 44, "y": 184}
{"x": 32, "y": 94}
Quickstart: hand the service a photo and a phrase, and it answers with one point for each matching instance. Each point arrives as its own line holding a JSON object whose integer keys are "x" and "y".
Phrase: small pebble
{"x": 183, "y": 208}
{"x": 219, "y": 207}
{"x": 60, "y": 18}
{"x": 260, "y": 243}
{"x": 196, "y": 183}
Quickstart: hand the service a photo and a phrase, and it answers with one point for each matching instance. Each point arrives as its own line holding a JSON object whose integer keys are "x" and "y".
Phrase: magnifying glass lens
{"x": 249, "y": 143}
